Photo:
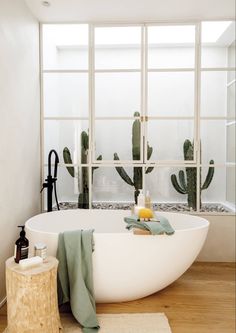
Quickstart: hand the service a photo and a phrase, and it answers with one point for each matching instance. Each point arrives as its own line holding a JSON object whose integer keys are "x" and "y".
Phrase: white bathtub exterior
{"x": 125, "y": 266}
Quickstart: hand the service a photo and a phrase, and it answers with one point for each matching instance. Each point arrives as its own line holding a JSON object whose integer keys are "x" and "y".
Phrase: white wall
{"x": 220, "y": 242}
{"x": 19, "y": 124}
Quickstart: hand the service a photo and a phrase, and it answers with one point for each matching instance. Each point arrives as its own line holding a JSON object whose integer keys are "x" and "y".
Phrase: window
{"x": 147, "y": 106}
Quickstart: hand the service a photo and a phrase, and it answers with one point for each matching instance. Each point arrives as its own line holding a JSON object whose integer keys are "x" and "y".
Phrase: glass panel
{"x": 117, "y": 94}
{"x": 171, "y": 94}
{"x": 231, "y": 101}
{"x": 219, "y": 196}
{"x": 230, "y": 188}
{"x": 71, "y": 188}
{"x": 213, "y": 141}
{"x": 217, "y": 98}
{"x": 67, "y": 189}
{"x": 167, "y": 138}
{"x": 171, "y": 46}
{"x": 165, "y": 193}
{"x": 230, "y": 142}
{"x": 65, "y": 46}
{"x": 59, "y": 134}
{"x": 109, "y": 187}
{"x": 118, "y": 47}
{"x": 218, "y": 44}
{"x": 66, "y": 95}
{"x": 116, "y": 137}
{"x": 44, "y": 193}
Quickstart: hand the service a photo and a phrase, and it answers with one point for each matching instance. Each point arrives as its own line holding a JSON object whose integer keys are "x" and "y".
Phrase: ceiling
{"x": 130, "y": 10}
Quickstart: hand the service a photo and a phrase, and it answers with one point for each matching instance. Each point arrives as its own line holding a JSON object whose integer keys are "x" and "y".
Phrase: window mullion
{"x": 197, "y": 111}
{"x": 145, "y": 91}
{"x": 91, "y": 108}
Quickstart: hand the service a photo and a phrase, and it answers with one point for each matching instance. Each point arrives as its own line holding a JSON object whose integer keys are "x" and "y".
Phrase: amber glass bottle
{"x": 21, "y": 246}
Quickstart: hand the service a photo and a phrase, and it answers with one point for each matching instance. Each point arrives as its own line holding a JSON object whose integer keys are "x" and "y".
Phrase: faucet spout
{"x": 53, "y": 151}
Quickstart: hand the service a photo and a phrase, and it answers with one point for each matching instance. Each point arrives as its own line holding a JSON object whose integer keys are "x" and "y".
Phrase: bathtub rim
{"x": 28, "y": 226}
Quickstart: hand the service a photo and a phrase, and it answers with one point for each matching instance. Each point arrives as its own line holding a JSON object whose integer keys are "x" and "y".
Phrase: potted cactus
{"x": 137, "y": 181}
{"x": 83, "y": 179}
{"x": 187, "y": 183}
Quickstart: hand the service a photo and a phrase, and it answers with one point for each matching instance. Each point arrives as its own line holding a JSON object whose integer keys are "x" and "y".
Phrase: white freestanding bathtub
{"x": 125, "y": 266}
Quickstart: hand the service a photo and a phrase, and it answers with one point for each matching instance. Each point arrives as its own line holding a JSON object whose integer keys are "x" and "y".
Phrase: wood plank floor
{"x": 201, "y": 301}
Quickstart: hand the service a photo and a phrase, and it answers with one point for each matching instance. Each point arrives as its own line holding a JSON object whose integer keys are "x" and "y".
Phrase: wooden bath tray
{"x": 137, "y": 231}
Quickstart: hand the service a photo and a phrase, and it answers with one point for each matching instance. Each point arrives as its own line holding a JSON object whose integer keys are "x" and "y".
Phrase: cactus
{"x": 188, "y": 185}
{"x": 137, "y": 181}
{"x": 83, "y": 199}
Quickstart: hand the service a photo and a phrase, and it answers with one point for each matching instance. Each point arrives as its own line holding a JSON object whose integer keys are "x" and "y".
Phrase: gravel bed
{"x": 170, "y": 207}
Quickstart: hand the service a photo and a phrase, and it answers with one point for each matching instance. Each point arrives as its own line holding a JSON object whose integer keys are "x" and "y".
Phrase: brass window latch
{"x": 144, "y": 118}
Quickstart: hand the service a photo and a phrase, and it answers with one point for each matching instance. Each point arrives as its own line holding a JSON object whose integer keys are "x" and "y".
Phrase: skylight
{"x": 77, "y": 34}
{"x": 171, "y": 34}
{"x": 65, "y": 34}
{"x": 212, "y": 31}
{"x": 117, "y": 35}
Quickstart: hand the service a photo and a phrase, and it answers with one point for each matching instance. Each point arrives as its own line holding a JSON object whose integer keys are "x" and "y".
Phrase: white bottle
{"x": 141, "y": 199}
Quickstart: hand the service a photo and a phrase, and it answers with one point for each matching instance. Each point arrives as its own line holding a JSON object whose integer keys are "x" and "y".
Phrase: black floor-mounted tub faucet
{"x": 50, "y": 182}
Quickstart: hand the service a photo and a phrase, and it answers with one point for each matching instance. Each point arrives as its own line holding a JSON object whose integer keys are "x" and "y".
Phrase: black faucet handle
{"x": 44, "y": 186}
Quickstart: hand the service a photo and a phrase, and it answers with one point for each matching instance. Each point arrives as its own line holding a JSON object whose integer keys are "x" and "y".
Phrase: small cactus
{"x": 137, "y": 181}
{"x": 188, "y": 185}
{"x": 83, "y": 199}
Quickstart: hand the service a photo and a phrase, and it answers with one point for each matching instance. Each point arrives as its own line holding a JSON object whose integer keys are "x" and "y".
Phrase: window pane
{"x": 171, "y": 94}
{"x": 218, "y": 44}
{"x": 66, "y": 95}
{"x": 65, "y": 46}
{"x": 231, "y": 101}
{"x": 116, "y": 137}
{"x": 70, "y": 188}
{"x": 220, "y": 194}
{"x": 230, "y": 142}
{"x": 230, "y": 187}
{"x": 217, "y": 97}
{"x": 171, "y": 46}
{"x": 59, "y": 134}
{"x": 117, "y": 94}
{"x": 213, "y": 141}
{"x": 109, "y": 187}
{"x": 117, "y": 47}
{"x": 44, "y": 193}
{"x": 167, "y": 138}
{"x": 165, "y": 194}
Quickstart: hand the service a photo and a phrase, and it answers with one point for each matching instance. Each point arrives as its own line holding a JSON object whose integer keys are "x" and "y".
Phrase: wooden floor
{"x": 201, "y": 301}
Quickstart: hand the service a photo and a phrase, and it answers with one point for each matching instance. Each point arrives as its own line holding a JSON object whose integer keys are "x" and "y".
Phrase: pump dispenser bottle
{"x": 21, "y": 246}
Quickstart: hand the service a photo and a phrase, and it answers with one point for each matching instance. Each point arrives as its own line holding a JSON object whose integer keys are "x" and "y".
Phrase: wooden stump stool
{"x": 32, "y": 298}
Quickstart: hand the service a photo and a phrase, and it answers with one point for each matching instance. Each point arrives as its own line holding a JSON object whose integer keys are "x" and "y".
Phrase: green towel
{"x": 75, "y": 276}
{"x": 157, "y": 226}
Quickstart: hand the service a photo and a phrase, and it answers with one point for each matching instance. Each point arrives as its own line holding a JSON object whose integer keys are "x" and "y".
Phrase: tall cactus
{"x": 137, "y": 181}
{"x": 188, "y": 185}
{"x": 83, "y": 199}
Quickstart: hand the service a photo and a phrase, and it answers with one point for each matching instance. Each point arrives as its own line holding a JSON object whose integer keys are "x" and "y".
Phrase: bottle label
{"x": 24, "y": 252}
{"x": 15, "y": 250}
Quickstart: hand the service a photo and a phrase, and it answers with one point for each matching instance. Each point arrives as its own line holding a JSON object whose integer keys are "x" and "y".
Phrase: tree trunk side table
{"x": 32, "y": 305}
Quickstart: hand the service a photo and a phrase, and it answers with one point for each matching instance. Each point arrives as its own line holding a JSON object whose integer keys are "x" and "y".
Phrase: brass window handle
{"x": 144, "y": 118}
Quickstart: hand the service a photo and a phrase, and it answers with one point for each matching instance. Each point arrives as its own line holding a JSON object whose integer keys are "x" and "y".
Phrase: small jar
{"x": 40, "y": 250}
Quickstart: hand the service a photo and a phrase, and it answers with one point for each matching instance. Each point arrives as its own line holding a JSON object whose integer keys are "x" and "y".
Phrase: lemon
{"x": 145, "y": 213}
